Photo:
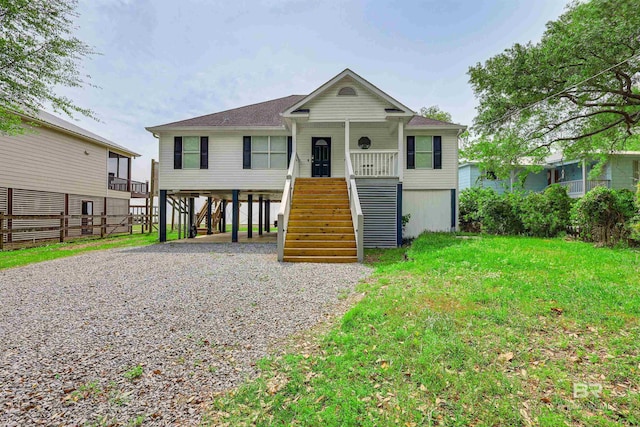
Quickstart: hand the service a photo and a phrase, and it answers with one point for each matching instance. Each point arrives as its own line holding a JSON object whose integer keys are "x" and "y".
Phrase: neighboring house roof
{"x": 559, "y": 156}
{"x": 272, "y": 113}
{"x": 52, "y": 121}
{"x": 266, "y": 113}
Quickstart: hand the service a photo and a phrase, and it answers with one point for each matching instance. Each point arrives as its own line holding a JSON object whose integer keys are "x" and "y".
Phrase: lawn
{"x": 466, "y": 331}
{"x": 26, "y": 256}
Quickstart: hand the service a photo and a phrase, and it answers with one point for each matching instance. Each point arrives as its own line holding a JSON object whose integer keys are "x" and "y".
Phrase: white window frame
{"x": 184, "y": 152}
{"x": 416, "y": 151}
{"x": 269, "y": 151}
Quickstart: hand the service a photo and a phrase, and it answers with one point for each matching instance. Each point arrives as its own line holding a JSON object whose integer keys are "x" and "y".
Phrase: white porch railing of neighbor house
{"x": 375, "y": 163}
{"x": 285, "y": 204}
{"x": 354, "y": 204}
{"x": 576, "y": 187}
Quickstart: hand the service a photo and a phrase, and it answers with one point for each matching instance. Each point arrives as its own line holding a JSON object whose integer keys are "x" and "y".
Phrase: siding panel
{"x": 330, "y": 107}
{"x": 430, "y": 210}
{"x": 75, "y": 208}
{"x": 28, "y": 202}
{"x": 46, "y": 160}
{"x": 118, "y": 207}
{"x": 434, "y": 179}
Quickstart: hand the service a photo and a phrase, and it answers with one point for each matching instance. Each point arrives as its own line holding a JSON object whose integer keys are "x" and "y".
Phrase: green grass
{"x": 488, "y": 331}
{"x": 26, "y": 256}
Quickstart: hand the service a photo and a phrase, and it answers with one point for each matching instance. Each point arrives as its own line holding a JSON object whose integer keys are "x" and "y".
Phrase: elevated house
{"x": 345, "y": 162}
{"x": 622, "y": 170}
{"x": 57, "y": 167}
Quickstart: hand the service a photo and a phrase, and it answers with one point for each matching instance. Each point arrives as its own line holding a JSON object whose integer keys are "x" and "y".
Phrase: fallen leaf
{"x": 506, "y": 356}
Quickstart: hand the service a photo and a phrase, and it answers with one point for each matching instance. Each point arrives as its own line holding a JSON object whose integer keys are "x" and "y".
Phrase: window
{"x": 268, "y": 152}
{"x": 118, "y": 170}
{"x": 347, "y": 91}
{"x": 191, "y": 152}
{"x": 424, "y": 152}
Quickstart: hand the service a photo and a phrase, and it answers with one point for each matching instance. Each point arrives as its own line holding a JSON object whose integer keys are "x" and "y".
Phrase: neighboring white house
{"x": 400, "y": 163}
{"x": 58, "y": 167}
{"x": 622, "y": 170}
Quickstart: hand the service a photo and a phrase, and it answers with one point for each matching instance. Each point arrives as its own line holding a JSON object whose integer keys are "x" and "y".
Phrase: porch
{"x": 576, "y": 188}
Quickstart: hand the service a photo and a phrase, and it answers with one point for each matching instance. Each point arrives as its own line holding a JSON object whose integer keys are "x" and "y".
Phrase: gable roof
{"x": 266, "y": 113}
{"x": 347, "y": 73}
{"x": 54, "y": 122}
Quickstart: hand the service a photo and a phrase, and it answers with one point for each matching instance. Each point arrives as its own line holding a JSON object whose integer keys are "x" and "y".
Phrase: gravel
{"x": 194, "y": 317}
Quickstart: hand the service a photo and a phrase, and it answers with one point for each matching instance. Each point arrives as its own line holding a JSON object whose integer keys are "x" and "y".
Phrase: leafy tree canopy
{"x": 38, "y": 54}
{"x": 434, "y": 112}
{"x": 575, "y": 91}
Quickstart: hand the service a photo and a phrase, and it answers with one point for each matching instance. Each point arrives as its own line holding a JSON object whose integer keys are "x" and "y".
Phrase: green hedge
{"x": 603, "y": 216}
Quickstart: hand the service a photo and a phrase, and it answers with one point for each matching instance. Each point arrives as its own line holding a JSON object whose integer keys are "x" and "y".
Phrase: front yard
{"x": 467, "y": 331}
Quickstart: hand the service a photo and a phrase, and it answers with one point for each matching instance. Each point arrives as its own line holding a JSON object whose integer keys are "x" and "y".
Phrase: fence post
{"x": 130, "y": 221}
{"x": 1, "y": 233}
{"x": 61, "y": 227}
{"x": 103, "y": 225}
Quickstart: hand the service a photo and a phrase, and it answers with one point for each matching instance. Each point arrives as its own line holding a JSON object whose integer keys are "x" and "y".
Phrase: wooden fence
{"x": 106, "y": 224}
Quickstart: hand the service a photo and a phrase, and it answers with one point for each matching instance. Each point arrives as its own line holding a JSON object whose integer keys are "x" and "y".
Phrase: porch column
{"x": 209, "y": 230}
{"x": 250, "y": 216}
{"x": 192, "y": 208}
{"x": 294, "y": 131}
{"x": 162, "y": 220}
{"x": 347, "y": 152}
{"x": 584, "y": 176}
{"x": 223, "y": 219}
{"x": 267, "y": 216}
{"x": 400, "y": 150}
{"x": 235, "y": 215}
{"x": 260, "y": 215}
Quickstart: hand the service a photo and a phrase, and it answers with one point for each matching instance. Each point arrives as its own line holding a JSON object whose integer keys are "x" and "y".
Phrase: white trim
{"x": 435, "y": 127}
{"x": 357, "y": 78}
{"x": 401, "y": 158}
{"x": 216, "y": 128}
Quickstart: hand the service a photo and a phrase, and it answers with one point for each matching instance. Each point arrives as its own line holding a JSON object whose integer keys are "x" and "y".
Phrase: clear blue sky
{"x": 165, "y": 60}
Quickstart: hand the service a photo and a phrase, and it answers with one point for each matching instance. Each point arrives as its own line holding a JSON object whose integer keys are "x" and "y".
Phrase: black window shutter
{"x": 437, "y": 152}
{"x": 204, "y": 152}
{"x": 246, "y": 152}
{"x": 289, "y": 149}
{"x": 177, "y": 152}
{"x": 411, "y": 152}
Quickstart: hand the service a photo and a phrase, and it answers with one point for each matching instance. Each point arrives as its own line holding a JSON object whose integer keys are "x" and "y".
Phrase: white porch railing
{"x": 576, "y": 187}
{"x": 375, "y": 163}
{"x": 356, "y": 210}
{"x": 285, "y": 203}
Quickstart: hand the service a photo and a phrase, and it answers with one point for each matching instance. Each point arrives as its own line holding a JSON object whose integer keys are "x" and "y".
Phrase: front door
{"x": 320, "y": 157}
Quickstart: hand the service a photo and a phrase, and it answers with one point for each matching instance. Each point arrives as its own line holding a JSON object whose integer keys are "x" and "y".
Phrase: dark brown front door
{"x": 320, "y": 157}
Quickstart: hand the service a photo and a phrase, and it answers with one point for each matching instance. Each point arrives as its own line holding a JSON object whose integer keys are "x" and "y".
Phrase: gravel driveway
{"x": 194, "y": 317}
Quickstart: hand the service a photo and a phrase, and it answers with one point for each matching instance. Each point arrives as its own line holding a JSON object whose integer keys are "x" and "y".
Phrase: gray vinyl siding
{"x": 47, "y": 160}
{"x": 378, "y": 199}
{"x": 330, "y": 107}
{"x": 434, "y": 179}
{"x": 29, "y": 202}
{"x": 225, "y": 170}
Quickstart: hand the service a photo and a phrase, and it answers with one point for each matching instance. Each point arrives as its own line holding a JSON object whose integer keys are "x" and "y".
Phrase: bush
{"x": 546, "y": 214}
{"x": 471, "y": 199}
{"x": 501, "y": 215}
{"x": 605, "y": 216}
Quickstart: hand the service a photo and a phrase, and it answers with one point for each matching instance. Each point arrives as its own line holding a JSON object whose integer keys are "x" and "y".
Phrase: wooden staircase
{"x": 320, "y": 228}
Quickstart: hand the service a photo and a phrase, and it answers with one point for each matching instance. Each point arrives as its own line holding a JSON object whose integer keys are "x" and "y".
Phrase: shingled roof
{"x": 266, "y": 113}
{"x": 262, "y": 114}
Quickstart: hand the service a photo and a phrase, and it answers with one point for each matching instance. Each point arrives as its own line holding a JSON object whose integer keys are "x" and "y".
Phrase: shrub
{"x": 604, "y": 215}
{"x": 501, "y": 215}
{"x": 471, "y": 200}
{"x": 546, "y": 214}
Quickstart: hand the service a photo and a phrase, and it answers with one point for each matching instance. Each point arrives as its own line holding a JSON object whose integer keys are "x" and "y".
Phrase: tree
{"x": 38, "y": 53}
{"x": 577, "y": 90}
{"x": 434, "y": 112}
